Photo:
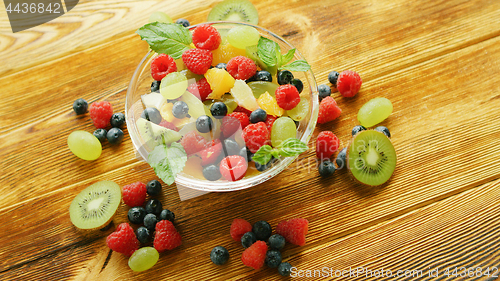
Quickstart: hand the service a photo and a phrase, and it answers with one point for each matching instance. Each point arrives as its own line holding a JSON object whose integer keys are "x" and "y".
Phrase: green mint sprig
{"x": 289, "y": 147}
{"x": 168, "y": 161}
{"x": 270, "y": 54}
{"x": 166, "y": 38}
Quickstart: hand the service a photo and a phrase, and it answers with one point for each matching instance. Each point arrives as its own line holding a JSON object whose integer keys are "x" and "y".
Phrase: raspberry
{"x": 233, "y": 167}
{"x": 242, "y": 109}
{"x": 168, "y": 125}
{"x": 134, "y": 194}
{"x": 162, "y": 65}
{"x": 123, "y": 240}
{"x": 166, "y": 236}
{"x": 100, "y": 113}
{"x": 200, "y": 89}
{"x": 328, "y": 110}
{"x": 287, "y": 96}
{"x": 206, "y": 37}
{"x": 193, "y": 142}
{"x": 197, "y": 61}
{"x": 210, "y": 154}
{"x": 348, "y": 83}
{"x": 294, "y": 230}
{"x": 255, "y": 136}
{"x": 241, "y": 67}
{"x": 232, "y": 122}
{"x": 238, "y": 228}
{"x": 255, "y": 255}
{"x": 270, "y": 121}
{"x": 326, "y": 144}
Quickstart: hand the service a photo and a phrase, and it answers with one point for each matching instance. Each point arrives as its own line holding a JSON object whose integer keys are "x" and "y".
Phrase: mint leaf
{"x": 269, "y": 51}
{"x": 263, "y": 155}
{"x": 168, "y": 161}
{"x": 291, "y": 147}
{"x": 166, "y": 38}
{"x": 287, "y": 57}
{"x": 298, "y": 65}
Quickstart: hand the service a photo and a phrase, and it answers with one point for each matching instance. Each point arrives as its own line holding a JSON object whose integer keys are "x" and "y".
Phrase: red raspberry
{"x": 232, "y": 122}
{"x": 197, "y": 61}
{"x": 255, "y": 255}
{"x": 233, "y": 167}
{"x": 241, "y": 67}
{"x": 166, "y": 236}
{"x": 294, "y": 230}
{"x": 287, "y": 96}
{"x": 349, "y": 83}
{"x": 326, "y": 144}
{"x": 134, "y": 194}
{"x": 162, "y": 65}
{"x": 238, "y": 228}
{"x": 168, "y": 125}
{"x": 242, "y": 109}
{"x": 123, "y": 240}
{"x": 100, "y": 113}
{"x": 206, "y": 37}
{"x": 193, "y": 142}
{"x": 255, "y": 136}
{"x": 200, "y": 89}
{"x": 270, "y": 121}
{"x": 328, "y": 110}
{"x": 210, "y": 154}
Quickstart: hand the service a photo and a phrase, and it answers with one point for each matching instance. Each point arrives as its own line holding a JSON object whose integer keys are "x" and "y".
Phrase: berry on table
{"x": 153, "y": 187}
{"x": 206, "y": 37}
{"x": 219, "y": 255}
{"x": 262, "y": 230}
{"x": 193, "y": 142}
{"x": 142, "y": 234}
{"x": 276, "y": 242}
{"x": 232, "y": 122}
{"x": 211, "y": 172}
{"x": 166, "y": 236}
{"x": 80, "y": 106}
{"x": 298, "y": 84}
{"x": 151, "y": 114}
{"x": 162, "y": 65}
{"x": 197, "y": 61}
{"x": 204, "y": 124}
{"x": 255, "y": 255}
{"x": 327, "y": 144}
{"x": 180, "y": 109}
{"x": 285, "y": 269}
{"x": 136, "y": 215}
{"x": 100, "y": 134}
{"x": 324, "y": 91}
{"x": 221, "y": 65}
{"x": 255, "y": 136}
{"x": 384, "y": 130}
{"x": 233, "y": 167}
{"x": 218, "y": 110}
{"x": 294, "y": 230}
{"x": 155, "y": 86}
{"x": 357, "y": 129}
{"x": 150, "y": 221}
{"x": 273, "y": 258}
{"x": 341, "y": 159}
{"x": 238, "y": 228}
{"x": 241, "y": 67}
{"x": 287, "y": 96}
{"x": 263, "y": 75}
{"x": 123, "y": 240}
{"x": 332, "y": 77}
{"x": 285, "y": 77}
{"x": 200, "y": 89}
{"x": 117, "y": 120}
{"x": 326, "y": 168}
{"x": 349, "y": 83}
{"x": 100, "y": 113}
{"x": 248, "y": 239}
{"x": 114, "y": 135}
{"x": 153, "y": 206}
{"x": 183, "y": 22}
{"x": 328, "y": 110}
{"x": 134, "y": 194}
{"x": 258, "y": 115}
{"x": 167, "y": 215}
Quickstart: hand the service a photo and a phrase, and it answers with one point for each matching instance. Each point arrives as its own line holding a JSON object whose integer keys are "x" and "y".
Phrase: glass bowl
{"x": 141, "y": 83}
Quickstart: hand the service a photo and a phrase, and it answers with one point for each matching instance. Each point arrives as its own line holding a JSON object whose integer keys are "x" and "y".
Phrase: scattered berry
{"x": 204, "y": 124}
{"x": 357, "y": 129}
{"x": 262, "y": 230}
{"x": 166, "y": 236}
{"x": 287, "y": 96}
{"x": 232, "y": 122}
{"x": 255, "y": 136}
{"x": 324, "y": 91}
{"x": 153, "y": 206}
{"x": 327, "y": 144}
{"x": 117, "y": 120}
{"x": 162, "y": 65}
{"x": 167, "y": 215}
{"x": 155, "y": 86}
{"x": 233, "y": 167}
{"x": 332, "y": 77}
{"x": 100, "y": 134}
{"x": 285, "y": 269}
{"x": 114, "y": 135}
{"x": 206, "y": 37}
{"x": 349, "y": 83}
{"x": 136, "y": 215}
{"x": 298, "y": 84}
{"x": 197, "y": 61}
{"x": 218, "y": 110}
{"x": 326, "y": 168}
{"x": 238, "y": 228}
{"x": 276, "y": 242}
{"x": 273, "y": 258}
{"x": 180, "y": 109}
{"x": 328, "y": 110}
{"x": 241, "y": 67}
{"x": 221, "y": 65}
{"x": 212, "y": 172}
{"x": 193, "y": 142}
{"x": 383, "y": 130}
{"x": 294, "y": 230}
{"x": 168, "y": 125}
{"x": 150, "y": 221}
{"x": 258, "y": 115}
{"x": 142, "y": 234}
{"x": 80, "y": 106}
{"x": 123, "y": 240}
{"x": 263, "y": 76}
{"x": 255, "y": 255}
{"x": 200, "y": 89}
{"x": 100, "y": 113}
{"x": 134, "y": 194}
{"x": 248, "y": 239}
{"x": 151, "y": 114}
{"x": 153, "y": 187}
{"x": 285, "y": 77}
{"x": 219, "y": 255}
{"x": 183, "y": 22}
{"x": 341, "y": 159}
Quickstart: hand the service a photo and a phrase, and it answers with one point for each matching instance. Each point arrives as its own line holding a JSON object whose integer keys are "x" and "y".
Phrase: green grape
{"x": 143, "y": 259}
{"x": 374, "y": 111}
{"x": 300, "y": 111}
{"x": 230, "y": 103}
{"x": 260, "y": 87}
{"x": 160, "y": 17}
{"x": 190, "y": 75}
{"x": 173, "y": 85}
{"x": 283, "y": 128}
{"x": 243, "y": 36}
{"x": 196, "y": 107}
{"x": 84, "y": 145}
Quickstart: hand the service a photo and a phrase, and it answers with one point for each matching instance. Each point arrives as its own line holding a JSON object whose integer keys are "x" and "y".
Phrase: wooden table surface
{"x": 437, "y": 61}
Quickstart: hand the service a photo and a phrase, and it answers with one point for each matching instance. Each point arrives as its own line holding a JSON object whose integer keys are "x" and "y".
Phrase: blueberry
{"x": 204, "y": 124}
{"x": 221, "y": 65}
{"x": 357, "y": 129}
{"x": 211, "y": 173}
{"x": 324, "y": 91}
{"x": 183, "y": 22}
{"x": 114, "y": 135}
{"x": 100, "y": 134}
{"x": 230, "y": 147}
{"x": 248, "y": 239}
{"x": 180, "y": 109}
{"x": 117, "y": 120}
{"x": 332, "y": 77}
{"x": 298, "y": 84}
{"x": 285, "y": 77}
{"x": 341, "y": 159}
{"x": 273, "y": 258}
{"x": 258, "y": 115}
{"x": 80, "y": 106}
{"x": 167, "y": 215}
{"x": 153, "y": 206}
{"x": 276, "y": 242}
{"x": 153, "y": 187}
{"x": 218, "y": 110}
{"x": 155, "y": 86}
{"x": 219, "y": 255}
{"x": 246, "y": 153}
{"x": 142, "y": 234}
{"x": 150, "y": 221}
{"x": 284, "y": 269}
{"x": 262, "y": 168}
{"x": 263, "y": 76}
{"x": 262, "y": 230}
{"x": 326, "y": 168}
{"x": 383, "y": 130}
{"x": 151, "y": 114}
{"x": 136, "y": 215}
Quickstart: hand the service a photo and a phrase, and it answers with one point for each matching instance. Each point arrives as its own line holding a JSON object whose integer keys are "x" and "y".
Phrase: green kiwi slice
{"x": 234, "y": 10}
{"x": 371, "y": 158}
{"x": 95, "y": 206}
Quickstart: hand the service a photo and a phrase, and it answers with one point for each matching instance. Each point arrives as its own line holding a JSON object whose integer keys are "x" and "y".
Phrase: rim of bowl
{"x": 209, "y": 186}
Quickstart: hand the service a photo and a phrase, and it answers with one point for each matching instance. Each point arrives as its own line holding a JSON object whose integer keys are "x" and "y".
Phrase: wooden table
{"x": 437, "y": 61}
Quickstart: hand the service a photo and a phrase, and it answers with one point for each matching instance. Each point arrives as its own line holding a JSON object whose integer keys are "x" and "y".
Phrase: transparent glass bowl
{"x": 141, "y": 83}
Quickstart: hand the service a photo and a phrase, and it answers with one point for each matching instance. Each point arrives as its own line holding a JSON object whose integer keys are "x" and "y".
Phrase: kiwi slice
{"x": 371, "y": 158}
{"x": 95, "y": 206}
{"x": 234, "y": 10}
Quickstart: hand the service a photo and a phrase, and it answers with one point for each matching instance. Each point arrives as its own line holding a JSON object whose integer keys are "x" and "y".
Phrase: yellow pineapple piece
{"x": 166, "y": 111}
{"x": 226, "y": 52}
{"x": 179, "y": 123}
{"x": 193, "y": 168}
{"x": 269, "y": 104}
{"x": 244, "y": 95}
{"x": 220, "y": 82}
